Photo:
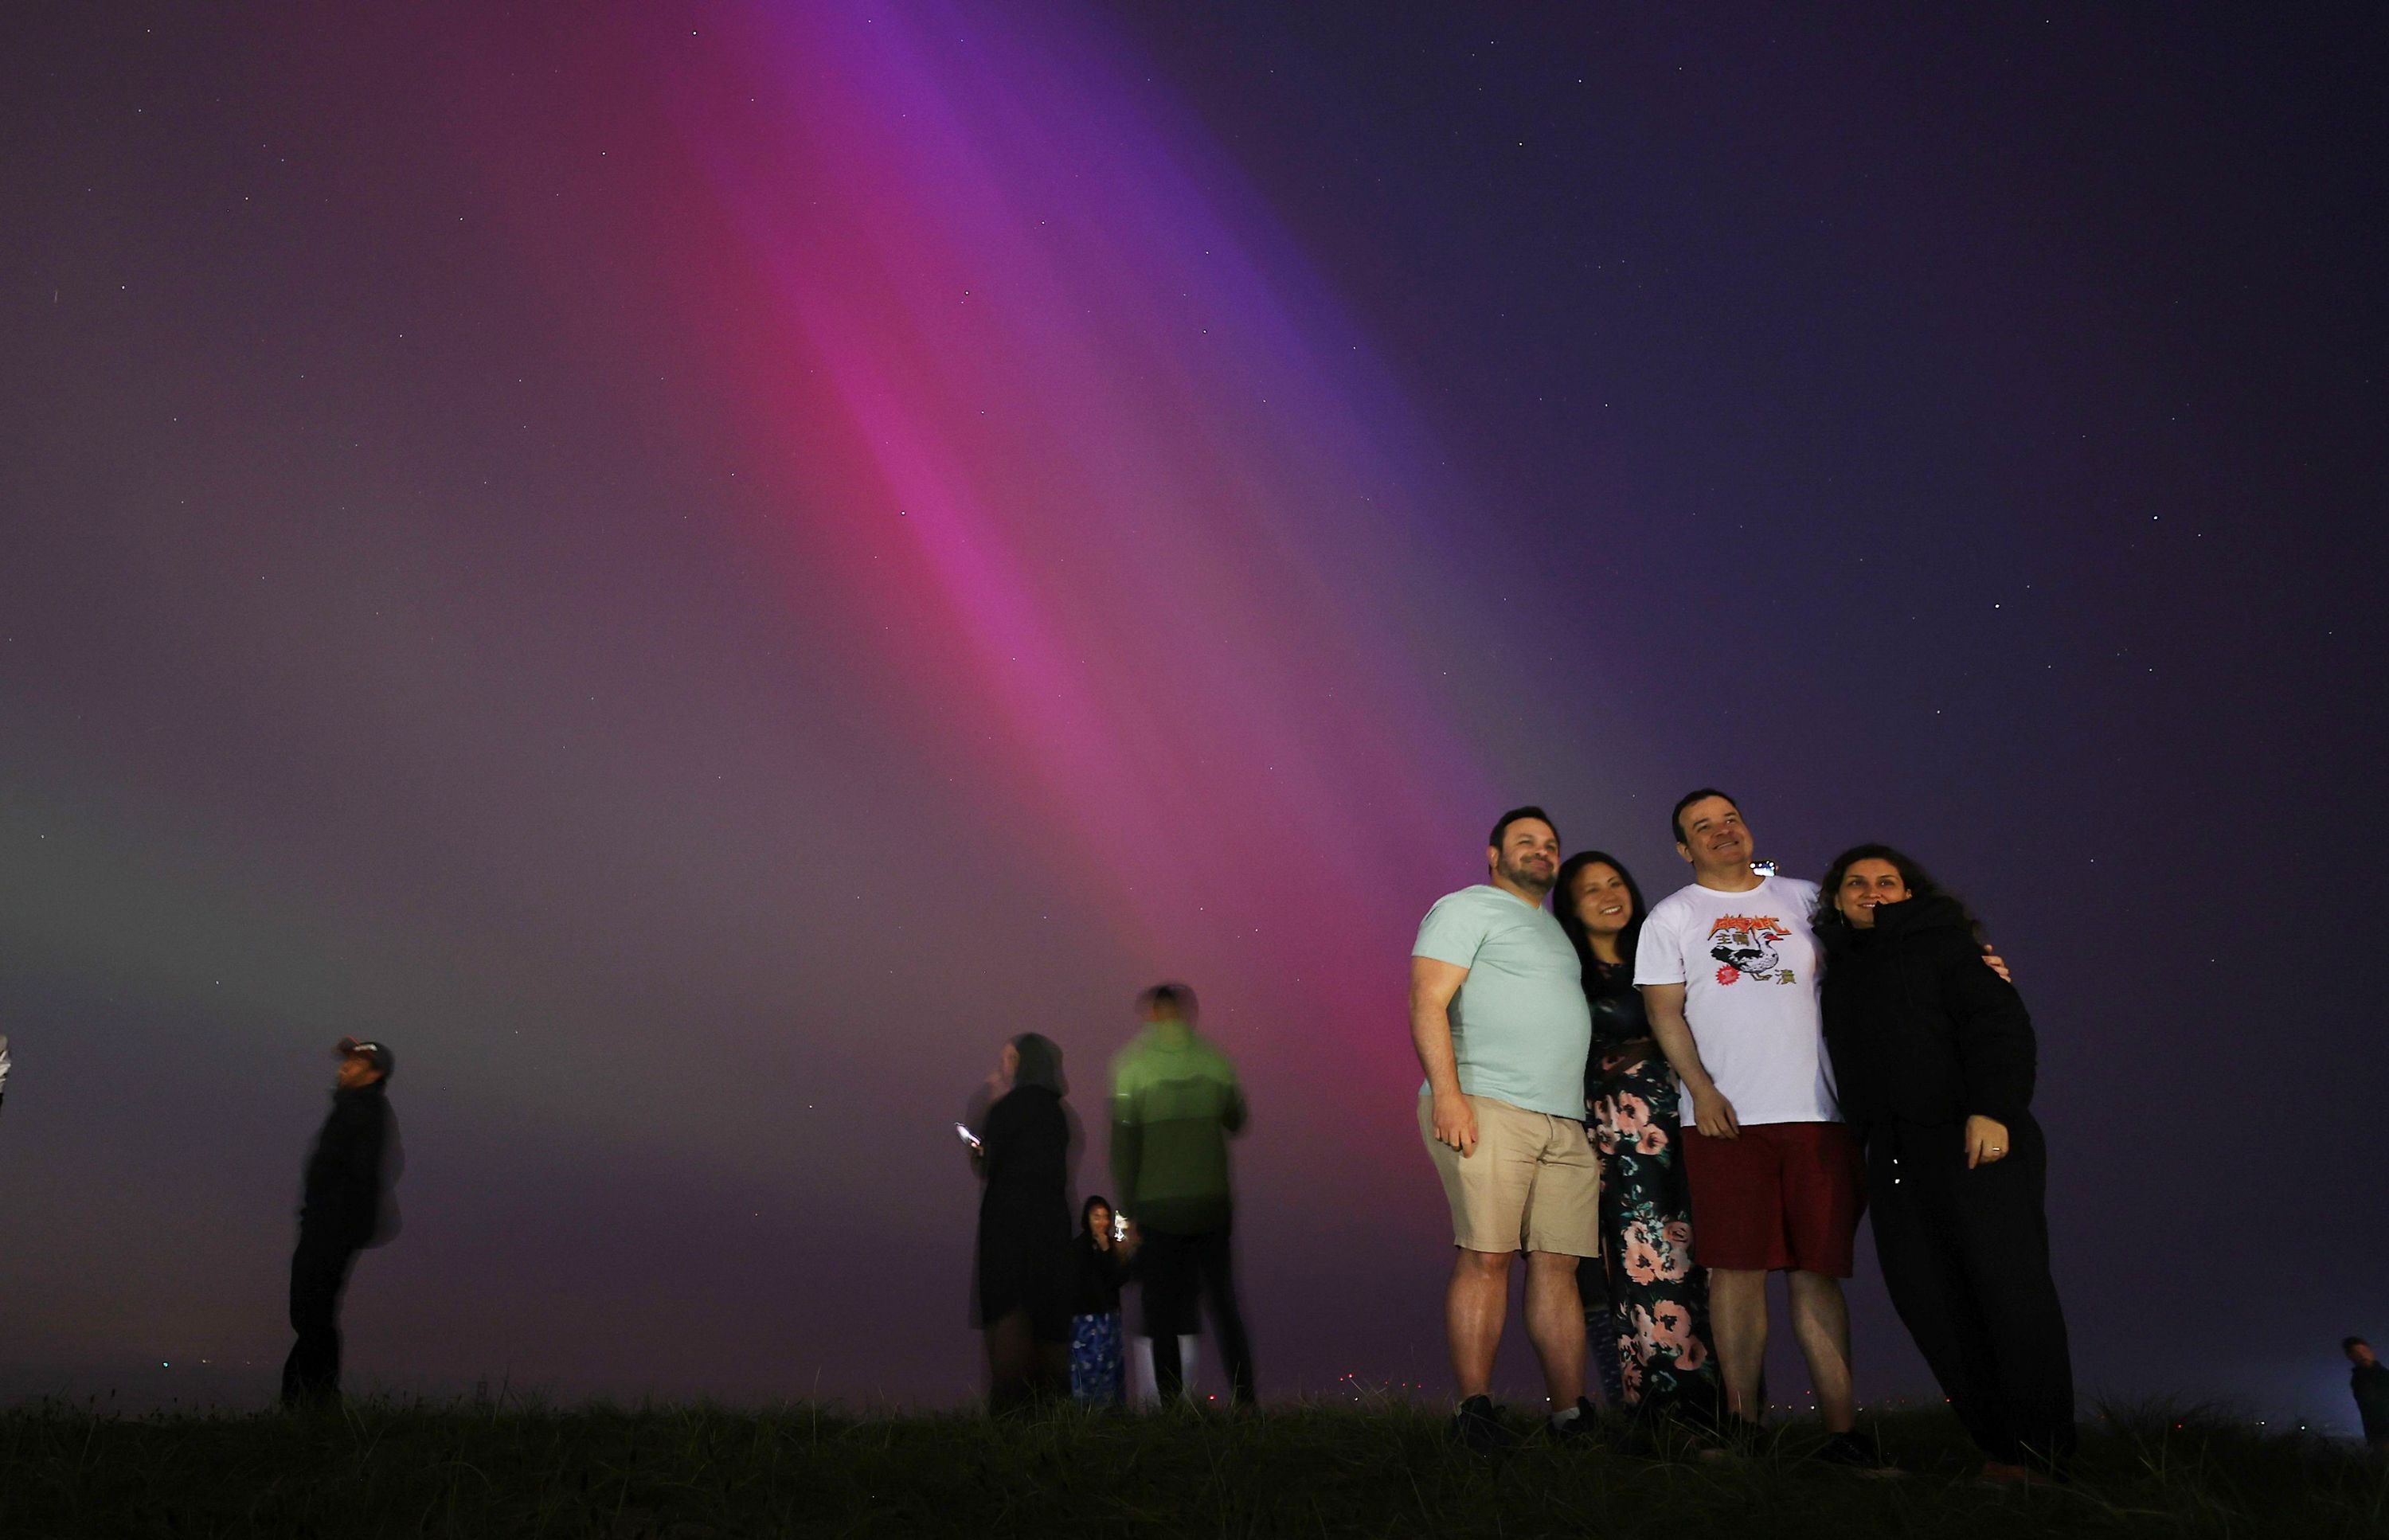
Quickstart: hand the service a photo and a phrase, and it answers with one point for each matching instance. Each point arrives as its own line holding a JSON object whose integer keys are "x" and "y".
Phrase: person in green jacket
{"x": 1175, "y": 1101}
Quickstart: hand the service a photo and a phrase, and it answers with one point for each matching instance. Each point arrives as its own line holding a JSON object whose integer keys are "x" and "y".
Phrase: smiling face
{"x": 354, "y": 1071}
{"x": 1603, "y": 904}
{"x": 1528, "y": 857}
{"x": 1711, "y": 835}
{"x": 1099, "y": 1223}
{"x": 1866, "y": 884}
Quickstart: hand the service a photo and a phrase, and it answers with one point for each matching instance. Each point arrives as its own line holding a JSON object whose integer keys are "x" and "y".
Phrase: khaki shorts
{"x": 1533, "y": 1182}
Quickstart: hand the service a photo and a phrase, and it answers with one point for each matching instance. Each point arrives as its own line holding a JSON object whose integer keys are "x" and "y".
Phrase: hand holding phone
{"x": 1119, "y": 1225}
{"x": 970, "y": 1138}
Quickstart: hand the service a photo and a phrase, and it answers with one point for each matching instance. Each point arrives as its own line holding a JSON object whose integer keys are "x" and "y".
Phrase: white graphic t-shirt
{"x": 1748, "y": 965}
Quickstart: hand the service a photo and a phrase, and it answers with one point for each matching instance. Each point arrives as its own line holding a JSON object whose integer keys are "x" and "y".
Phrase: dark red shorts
{"x": 1782, "y": 1195}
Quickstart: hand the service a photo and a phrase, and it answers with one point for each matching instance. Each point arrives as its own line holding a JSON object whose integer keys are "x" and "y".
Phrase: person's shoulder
{"x": 1214, "y": 1054}
{"x": 1458, "y": 922}
{"x": 1799, "y": 889}
{"x": 1674, "y": 906}
{"x": 1128, "y": 1056}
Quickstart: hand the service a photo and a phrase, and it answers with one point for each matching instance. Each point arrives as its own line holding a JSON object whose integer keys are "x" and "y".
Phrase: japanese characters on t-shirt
{"x": 1748, "y": 964}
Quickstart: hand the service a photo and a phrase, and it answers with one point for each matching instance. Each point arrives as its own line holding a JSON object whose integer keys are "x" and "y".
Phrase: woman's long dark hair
{"x": 1564, "y": 904}
{"x": 1828, "y": 921}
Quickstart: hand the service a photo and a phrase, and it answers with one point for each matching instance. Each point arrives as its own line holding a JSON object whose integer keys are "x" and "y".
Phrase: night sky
{"x": 698, "y": 567}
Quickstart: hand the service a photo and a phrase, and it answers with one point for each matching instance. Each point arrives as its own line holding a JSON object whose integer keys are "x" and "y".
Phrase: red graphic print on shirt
{"x": 1745, "y": 948}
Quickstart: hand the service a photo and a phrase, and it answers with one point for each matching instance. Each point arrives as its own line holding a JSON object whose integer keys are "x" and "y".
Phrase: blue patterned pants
{"x": 1098, "y": 1373}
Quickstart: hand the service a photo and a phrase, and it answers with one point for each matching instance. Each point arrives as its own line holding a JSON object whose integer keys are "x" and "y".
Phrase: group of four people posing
{"x": 1716, "y": 1088}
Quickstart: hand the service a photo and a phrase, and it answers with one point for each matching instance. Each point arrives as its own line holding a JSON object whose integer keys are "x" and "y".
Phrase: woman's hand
{"x": 1986, "y": 1140}
{"x": 1997, "y": 964}
{"x": 1130, "y": 1237}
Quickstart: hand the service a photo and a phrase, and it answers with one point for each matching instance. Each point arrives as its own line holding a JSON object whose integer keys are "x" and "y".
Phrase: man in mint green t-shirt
{"x": 1175, "y": 1100}
{"x": 1498, "y": 1019}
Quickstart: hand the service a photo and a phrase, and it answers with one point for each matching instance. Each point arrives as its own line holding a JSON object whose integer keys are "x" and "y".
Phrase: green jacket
{"x": 1175, "y": 1100}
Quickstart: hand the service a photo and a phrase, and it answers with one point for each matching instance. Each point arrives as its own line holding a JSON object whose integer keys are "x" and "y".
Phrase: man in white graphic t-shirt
{"x": 1727, "y": 969}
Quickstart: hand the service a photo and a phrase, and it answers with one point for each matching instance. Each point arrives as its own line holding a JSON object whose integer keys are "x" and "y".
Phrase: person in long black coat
{"x": 1025, "y": 1268}
{"x": 1934, "y": 1061}
{"x": 345, "y": 1206}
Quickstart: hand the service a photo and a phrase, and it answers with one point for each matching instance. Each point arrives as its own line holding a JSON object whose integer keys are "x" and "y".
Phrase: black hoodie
{"x": 342, "y": 1199}
{"x": 1920, "y": 1030}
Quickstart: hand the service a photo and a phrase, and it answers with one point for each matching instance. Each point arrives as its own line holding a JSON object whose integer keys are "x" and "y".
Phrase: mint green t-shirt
{"x": 1520, "y": 1029}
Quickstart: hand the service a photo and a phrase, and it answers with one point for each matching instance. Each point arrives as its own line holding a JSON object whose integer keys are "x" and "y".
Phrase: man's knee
{"x": 1484, "y": 1263}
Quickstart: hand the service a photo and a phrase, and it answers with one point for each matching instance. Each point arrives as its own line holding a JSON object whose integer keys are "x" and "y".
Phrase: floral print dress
{"x": 1658, "y": 1299}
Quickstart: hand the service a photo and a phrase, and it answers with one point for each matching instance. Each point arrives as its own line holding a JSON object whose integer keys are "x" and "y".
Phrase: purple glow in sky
{"x": 695, "y": 567}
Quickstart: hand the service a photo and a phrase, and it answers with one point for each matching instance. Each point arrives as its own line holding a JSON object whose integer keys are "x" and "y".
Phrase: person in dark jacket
{"x": 2370, "y": 1383}
{"x": 1023, "y": 1293}
{"x": 1934, "y": 1061}
{"x": 1101, "y": 1260}
{"x": 344, "y": 1208}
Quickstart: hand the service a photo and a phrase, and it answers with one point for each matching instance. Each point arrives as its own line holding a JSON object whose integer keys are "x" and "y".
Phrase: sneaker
{"x": 1581, "y": 1425}
{"x": 1478, "y": 1427}
{"x": 1858, "y": 1454}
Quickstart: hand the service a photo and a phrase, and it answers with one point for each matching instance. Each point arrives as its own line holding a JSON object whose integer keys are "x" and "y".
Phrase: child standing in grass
{"x": 1100, "y": 1265}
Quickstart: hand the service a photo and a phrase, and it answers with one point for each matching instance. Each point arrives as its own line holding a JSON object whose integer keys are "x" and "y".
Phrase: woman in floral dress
{"x": 1658, "y": 1300}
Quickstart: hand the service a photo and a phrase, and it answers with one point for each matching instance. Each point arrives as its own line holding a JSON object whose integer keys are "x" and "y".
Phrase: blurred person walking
{"x": 1175, "y": 1102}
{"x": 2370, "y": 1385}
{"x": 345, "y": 1207}
{"x": 1656, "y": 1329}
{"x": 1021, "y": 1291}
{"x": 1499, "y": 1021}
{"x": 1934, "y": 1058}
{"x": 1102, "y": 1259}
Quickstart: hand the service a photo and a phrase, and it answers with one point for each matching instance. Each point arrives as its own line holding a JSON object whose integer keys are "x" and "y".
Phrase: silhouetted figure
{"x": 344, "y": 1209}
{"x": 1022, "y": 1294}
{"x": 1175, "y": 1100}
{"x": 1935, "y": 1058}
{"x": 2370, "y": 1383}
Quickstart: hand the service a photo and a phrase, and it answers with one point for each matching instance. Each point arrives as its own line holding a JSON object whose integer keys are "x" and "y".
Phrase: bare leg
{"x": 1738, "y": 1319}
{"x": 1820, "y": 1324}
{"x": 1555, "y": 1325}
{"x": 1474, "y": 1308}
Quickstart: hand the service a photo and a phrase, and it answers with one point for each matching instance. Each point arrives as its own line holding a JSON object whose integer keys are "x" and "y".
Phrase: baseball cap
{"x": 378, "y": 1054}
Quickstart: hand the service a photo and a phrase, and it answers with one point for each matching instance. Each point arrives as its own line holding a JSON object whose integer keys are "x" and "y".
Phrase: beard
{"x": 1536, "y": 878}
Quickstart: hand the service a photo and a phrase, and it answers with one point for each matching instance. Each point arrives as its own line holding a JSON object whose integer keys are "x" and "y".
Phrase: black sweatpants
{"x": 1180, "y": 1270}
{"x": 319, "y": 1270}
{"x": 1965, "y": 1258}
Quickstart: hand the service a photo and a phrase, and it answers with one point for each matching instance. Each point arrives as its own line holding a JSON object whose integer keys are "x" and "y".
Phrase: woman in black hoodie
{"x": 1023, "y": 1267}
{"x": 1934, "y": 1059}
